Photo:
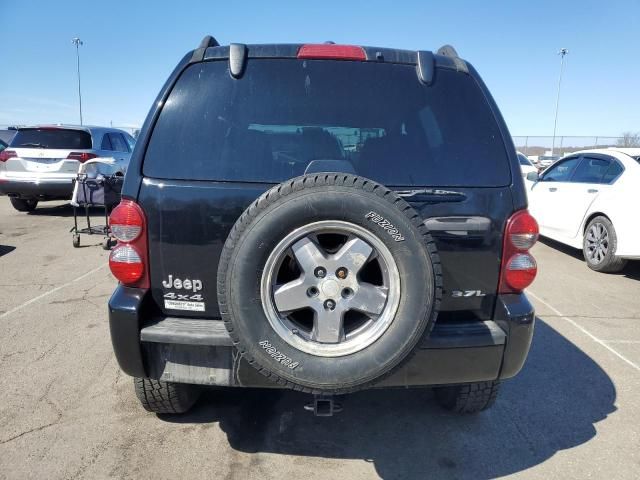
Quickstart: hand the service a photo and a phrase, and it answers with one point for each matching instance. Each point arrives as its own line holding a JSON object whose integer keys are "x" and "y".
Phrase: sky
{"x": 130, "y": 47}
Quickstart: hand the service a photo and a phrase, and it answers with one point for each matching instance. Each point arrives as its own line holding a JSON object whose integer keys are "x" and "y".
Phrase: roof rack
{"x": 237, "y": 59}
{"x": 449, "y": 51}
{"x": 426, "y": 66}
{"x": 198, "y": 53}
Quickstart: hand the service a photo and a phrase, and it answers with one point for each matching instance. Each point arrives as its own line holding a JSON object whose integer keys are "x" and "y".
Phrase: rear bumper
{"x": 627, "y": 233}
{"x": 200, "y": 351}
{"x": 37, "y": 187}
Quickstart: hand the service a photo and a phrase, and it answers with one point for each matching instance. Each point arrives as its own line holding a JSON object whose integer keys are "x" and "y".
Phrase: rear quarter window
{"x": 285, "y": 113}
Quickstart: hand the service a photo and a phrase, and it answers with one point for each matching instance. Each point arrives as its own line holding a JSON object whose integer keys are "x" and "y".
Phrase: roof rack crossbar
{"x": 208, "y": 41}
{"x": 198, "y": 53}
{"x": 426, "y": 66}
{"x": 449, "y": 51}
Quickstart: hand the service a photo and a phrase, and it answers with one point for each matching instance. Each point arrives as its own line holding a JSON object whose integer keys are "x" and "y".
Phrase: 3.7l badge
{"x": 467, "y": 293}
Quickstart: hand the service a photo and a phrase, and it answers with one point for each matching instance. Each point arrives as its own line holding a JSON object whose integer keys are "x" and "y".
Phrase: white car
{"x": 526, "y": 166}
{"x": 589, "y": 200}
{"x": 41, "y": 162}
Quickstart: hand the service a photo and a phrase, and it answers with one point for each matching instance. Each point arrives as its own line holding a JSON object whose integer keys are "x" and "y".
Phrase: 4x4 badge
{"x": 190, "y": 300}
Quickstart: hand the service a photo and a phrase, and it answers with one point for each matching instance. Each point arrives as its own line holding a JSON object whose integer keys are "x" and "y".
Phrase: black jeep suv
{"x": 325, "y": 218}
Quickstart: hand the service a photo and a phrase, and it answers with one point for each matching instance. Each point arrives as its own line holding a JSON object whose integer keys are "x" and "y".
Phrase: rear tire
{"x": 24, "y": 205}
{"x": 599, "y": 246}
{"x": 107, "y": 243}
{"x": 468, "y": 398}
{"x": 157, "y": 396}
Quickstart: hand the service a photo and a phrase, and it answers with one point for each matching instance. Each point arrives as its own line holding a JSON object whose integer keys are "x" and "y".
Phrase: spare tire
{"x": 327, "y": 283}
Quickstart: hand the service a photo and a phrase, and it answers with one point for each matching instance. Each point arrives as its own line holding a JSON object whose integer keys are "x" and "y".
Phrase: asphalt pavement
{"x": 66, "y": 410}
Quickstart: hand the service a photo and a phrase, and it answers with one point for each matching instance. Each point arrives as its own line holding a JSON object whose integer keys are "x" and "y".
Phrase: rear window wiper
{"x": 33, "y": 144}
{"x": 431, "y": 194}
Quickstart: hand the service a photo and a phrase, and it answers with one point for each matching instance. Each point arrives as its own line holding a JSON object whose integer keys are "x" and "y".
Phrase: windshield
{"x": 283, "y": 114}
{"x": 52, "y": 138}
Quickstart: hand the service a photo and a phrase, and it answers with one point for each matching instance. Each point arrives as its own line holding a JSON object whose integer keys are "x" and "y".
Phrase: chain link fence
{"x": 541, "y": 145}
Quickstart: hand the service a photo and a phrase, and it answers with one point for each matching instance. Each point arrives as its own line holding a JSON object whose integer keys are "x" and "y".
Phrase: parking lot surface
{"x": 66, "y": 411}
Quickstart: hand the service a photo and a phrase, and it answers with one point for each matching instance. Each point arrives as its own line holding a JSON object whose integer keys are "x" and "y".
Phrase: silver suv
{"x": 41, "y": 162}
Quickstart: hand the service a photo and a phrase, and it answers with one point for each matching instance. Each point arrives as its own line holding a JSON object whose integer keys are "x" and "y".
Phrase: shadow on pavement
{"x": 631, "y": 270}
{"x": 4, "y": 249}
{"x": 552, "y": 405}
{"x": 64, "y": 210}
{"x": 561, "y": 247}
{"x": 55, "y": 210}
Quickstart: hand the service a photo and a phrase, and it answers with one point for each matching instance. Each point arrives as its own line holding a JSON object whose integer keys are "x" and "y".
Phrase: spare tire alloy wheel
{"x": 348, "y": 312}
{"x": 328, "y": 282}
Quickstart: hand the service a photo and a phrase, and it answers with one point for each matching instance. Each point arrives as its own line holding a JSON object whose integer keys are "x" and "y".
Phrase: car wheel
{"x": 599, "y": 246}
{"x": 24, "y": 205}
{"x": 165, "y": 397}
{"x": 468, "y": 398}
{"x": 327, "y": 283}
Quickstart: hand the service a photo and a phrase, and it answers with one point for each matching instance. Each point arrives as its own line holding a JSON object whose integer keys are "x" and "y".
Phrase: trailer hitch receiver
{"x": 323, "y": 406}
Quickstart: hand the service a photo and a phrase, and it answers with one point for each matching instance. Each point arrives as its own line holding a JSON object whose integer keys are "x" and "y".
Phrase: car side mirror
{"x": 533, "y": 176}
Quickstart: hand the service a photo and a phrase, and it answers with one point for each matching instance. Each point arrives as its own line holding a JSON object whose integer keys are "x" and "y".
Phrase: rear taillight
{"x": 7, "y": 154}
{"x": 518, "y": 268}
{"x": 126, "y": 264}
{"x": 81, "y": 156}
{"x": 126, "y": 221}
{"x": 129, "y": 259}
{"x": 330, "y": 51}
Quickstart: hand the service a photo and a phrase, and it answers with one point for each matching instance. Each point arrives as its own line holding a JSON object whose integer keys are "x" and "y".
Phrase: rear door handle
{"x": 552, "y": 189}
{"x": 592, "y": 190}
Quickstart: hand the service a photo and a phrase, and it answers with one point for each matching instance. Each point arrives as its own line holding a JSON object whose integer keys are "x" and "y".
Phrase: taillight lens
{"x": 81, "y": 156}
{"x": 126, "y": 264}
{"x": 330, "y": 51}
{"x": 520, "y": 271}
{"x": 129, "y": 258}
{"x": 7, "y": 154}
{"x": 522, "y": 230}
{"x": 126, "y": 221}
{"x": 519, "y": 268}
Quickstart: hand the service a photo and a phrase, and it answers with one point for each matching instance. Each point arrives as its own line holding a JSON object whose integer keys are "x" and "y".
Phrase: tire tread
{"x": 611, "y": 263}
{"x": 468, "y": 398}
{"x": 158, "y": 396}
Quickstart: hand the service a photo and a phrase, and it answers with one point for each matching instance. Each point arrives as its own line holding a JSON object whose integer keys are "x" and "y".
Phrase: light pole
{"x": 562, "y": 53}
{"x": 77, "y": 42}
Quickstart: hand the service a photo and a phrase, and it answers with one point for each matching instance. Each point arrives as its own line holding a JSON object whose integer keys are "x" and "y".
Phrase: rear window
{"x": 283, "y": 114}
{"x": 52, "y": 138}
